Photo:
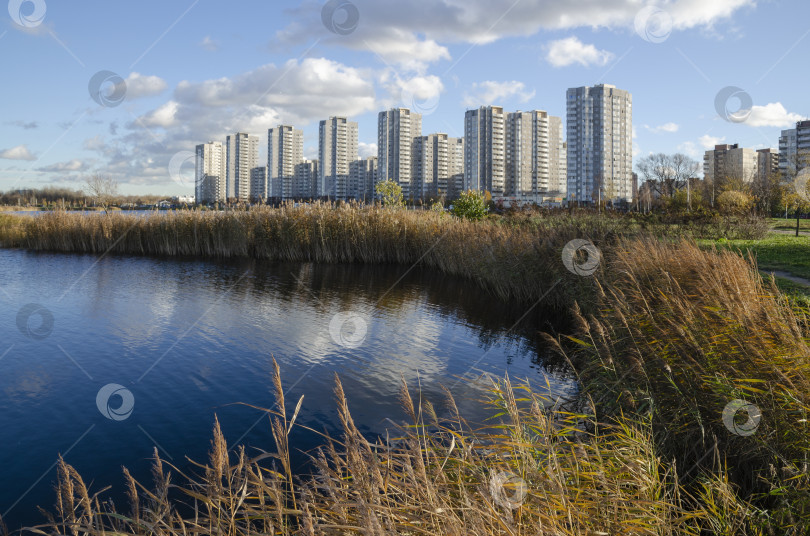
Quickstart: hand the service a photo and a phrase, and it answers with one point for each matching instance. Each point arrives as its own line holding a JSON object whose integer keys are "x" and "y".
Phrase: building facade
{"x": 396, "y": 130}
{"x": 210, "y": 181}
{"x": 431, "y": 164}
{"x": 242, "y": 155}
{"x": 600, "y": 145}
{"x": 337, "y": 149}
{"x": 259, "y": 187}
{"x": 767, "y": 164}
{"x": 306, "y": 180}
{"x": 794, "y": 149}
{"x": 730, "y": 163}
{"x": 558, "y": 158}
{"x": 362, "y": 178}
{"x": 484, "y": 150}
{"x": 285, "y": 150}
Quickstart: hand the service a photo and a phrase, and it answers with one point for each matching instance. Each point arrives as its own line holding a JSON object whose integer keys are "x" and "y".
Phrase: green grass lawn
{"x": 789, "y": 224}
{"x": 774, "y": 252}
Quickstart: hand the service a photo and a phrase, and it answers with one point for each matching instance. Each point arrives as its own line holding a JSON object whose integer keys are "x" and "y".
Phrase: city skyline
{"x": 177, "y": 80}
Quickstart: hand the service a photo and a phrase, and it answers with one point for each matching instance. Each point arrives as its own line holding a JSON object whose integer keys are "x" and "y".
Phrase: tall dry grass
{"x": 511, "y": 261}
{"x": 673, "y": 334}
{"x": 681, "y": 333}
{"x": 534, "y": 470}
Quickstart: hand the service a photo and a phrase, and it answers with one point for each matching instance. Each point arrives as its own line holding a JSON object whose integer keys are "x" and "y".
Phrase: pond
{"x": 103, "y": 359}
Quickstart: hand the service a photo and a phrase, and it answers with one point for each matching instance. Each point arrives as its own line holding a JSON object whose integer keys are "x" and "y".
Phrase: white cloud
{"x": 366, "y": 149}
{"x": 415, "y": 31}
{"x": 296, "y": 92}
{"x": 690, "y": 149}
{"x": 491, "y": 92}
{"x": 72, "y": 165}
{"x": 208, "y": 44}
{"x": 666, "y": 127}
{"x": 708, "y": 142}
{"x": 571, "y": 50}
{"x": 139, "y": 86}
{"x": 772, "y": 115}
{"x": 19, "y": 152}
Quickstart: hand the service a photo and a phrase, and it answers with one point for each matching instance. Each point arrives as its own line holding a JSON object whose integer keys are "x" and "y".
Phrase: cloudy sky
{"x": 128, "y": 88}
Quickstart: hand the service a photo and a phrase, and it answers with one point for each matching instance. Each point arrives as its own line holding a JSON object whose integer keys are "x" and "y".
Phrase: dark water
{"x": 184, "y": 340}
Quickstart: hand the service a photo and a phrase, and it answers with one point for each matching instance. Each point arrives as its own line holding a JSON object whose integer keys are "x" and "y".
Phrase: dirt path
{"x": 788, "y": 276}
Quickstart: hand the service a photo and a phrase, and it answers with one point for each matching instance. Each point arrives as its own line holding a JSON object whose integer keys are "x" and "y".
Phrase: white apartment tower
{"x": 337, "y": 149}
{"x": 484, "y": 150}
{"x": 600, "y": 144}
{"x": 438, "y": 161}
{"x": 527, "y": 154}
{"x": 362, "y": 178}
{"x": 259, "y": 188}
{"x": 794, "y": 149}
{"x": 210, "y": 182}
{"x": 455, "y": 167}
{"x": 306, "y": 179}
{"x": 730, "y": 163}
{"x": 242, "y": 155}
{"x": 396, "y": 130}
{"x": 285, "y": 150}
{"x": 558, "y": 158}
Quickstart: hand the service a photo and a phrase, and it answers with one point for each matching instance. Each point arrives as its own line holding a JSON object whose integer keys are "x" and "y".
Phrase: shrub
{"x": 390, "y": 193}
{"x": 470, "y": 205}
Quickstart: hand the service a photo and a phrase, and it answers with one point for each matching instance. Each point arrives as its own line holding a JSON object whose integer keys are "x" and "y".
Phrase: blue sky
{"x": 197, "y": 70}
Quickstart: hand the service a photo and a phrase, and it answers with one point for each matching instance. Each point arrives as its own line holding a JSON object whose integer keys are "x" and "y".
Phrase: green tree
{"x": 471, "y": 205}
{"x": 390, "y": 193}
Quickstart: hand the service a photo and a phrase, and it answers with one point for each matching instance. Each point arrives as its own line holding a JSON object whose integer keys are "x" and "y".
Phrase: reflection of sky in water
{"x": 209, "y": 331}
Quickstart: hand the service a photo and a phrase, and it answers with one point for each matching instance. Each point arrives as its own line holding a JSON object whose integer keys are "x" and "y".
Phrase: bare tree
{"x": 684, "y": 169}
{"x": 656, "y": 169}
{"x": 103, "y": 188}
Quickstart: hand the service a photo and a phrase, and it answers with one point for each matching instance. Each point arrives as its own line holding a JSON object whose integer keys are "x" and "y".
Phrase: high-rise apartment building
{"x": 337, "y": 149}
{"x": 558, "y": 158}
{"x": 210, "y": 182}
{"x": 767, "y": 164}
{"x": 600, "y": 144}
{"x": 484, "y": 150}
{"x": 362, "y": 178}
{"x": 285, "y": 150}
{"x": 794, "y": 149}
{"x": 729, "y": 163}
{"x": 306, "y": 179}
{"x": 259, "y": 187}
{"x": 396, "y": 130}
{"x": 242, "y": 155}
{"x": 431, "y": 164}
{"x": 455, "y": 167}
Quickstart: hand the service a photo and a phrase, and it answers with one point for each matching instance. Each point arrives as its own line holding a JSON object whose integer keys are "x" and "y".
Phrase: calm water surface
{"x": 185, "y": 340}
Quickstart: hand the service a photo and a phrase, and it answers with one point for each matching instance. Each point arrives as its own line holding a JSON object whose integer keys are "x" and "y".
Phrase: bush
{"x": 470, "y": 205}
{"x": 733, "y": 202}
{"x": 390, "y": 193}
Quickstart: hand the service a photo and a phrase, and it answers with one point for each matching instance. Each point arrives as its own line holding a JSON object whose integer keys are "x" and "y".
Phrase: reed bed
{"x": 511, "y": 261}
{"x": 671, "y": 334}
{"x": 682, "y": 333}
{"x": 534, "y": 470}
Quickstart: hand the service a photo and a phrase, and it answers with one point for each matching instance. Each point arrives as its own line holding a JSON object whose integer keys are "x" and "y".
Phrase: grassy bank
{"x": 672, "y": 334}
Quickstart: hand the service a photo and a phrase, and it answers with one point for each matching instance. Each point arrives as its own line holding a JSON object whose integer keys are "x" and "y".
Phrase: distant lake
{"x": 103, "y": 359}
